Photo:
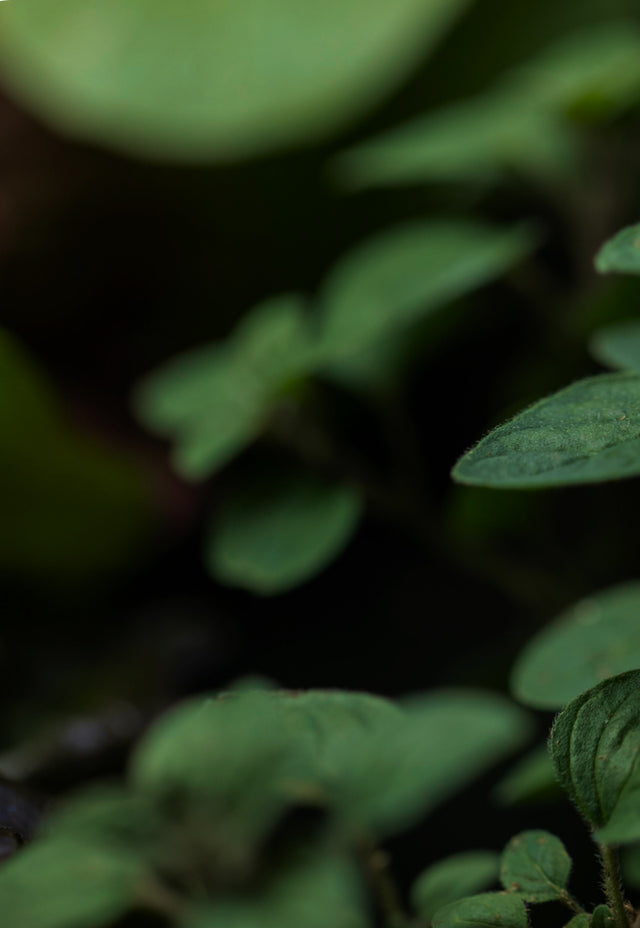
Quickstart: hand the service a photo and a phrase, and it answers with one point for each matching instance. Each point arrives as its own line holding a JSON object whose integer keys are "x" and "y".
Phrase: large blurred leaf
{"x": 317, "y": 890}
{"x": 276, "y": 534}
{"x": 404, "y": 273}
{"x": 535, "y": 865}
{"x": 595, "y": 746}
{"x": 587, "y": 433}
{"x": 69, "y": 506}
{"x": 63, "y": 883}
{"x": 621, "y": 254}
{"x": 453, "y": 878}
{"x": 516, "y": 124}
{"x": 602, "y": 635}
{"x": 219, "y": 80}
{"x": 214, "y": 400}
{"x": 618, "y": 345}
{"x": 487, "y": 910}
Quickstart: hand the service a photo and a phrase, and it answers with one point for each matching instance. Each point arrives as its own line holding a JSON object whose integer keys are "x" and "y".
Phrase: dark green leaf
{"x": 618, "y": 345}
{"x": 587, "y": 433}
{"x": 621, "y": 254}
{"x": 602, "y": 917}
{"x": 453, "y": 878}
{"x": 487, "y": 910}
{"x": 219, "y": 81}
{"x": 579, "y": 921}
{"x": 214, "y": 401}
{"x": 602, "y": 635}
{"x": 536, "y": 866}
{"x": 276, "y": 534}
{"x": 630, "y": 866}
{"x": 595, "y": 746}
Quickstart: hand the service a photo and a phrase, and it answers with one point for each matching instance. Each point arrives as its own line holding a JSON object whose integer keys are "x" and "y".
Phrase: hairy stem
{"x": 613, "y": 886}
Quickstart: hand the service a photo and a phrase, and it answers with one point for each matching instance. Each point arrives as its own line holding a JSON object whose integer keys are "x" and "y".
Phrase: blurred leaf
{"x": 516, "y": 124}
{"x": 220, "y": 81}
{"x": 404, "y": 273}
{"x": 630, "y": 866}
{"x": 588, "y": 432}
{"x": 274, "y": 535}
{"x": 530, "y": 779}
{"x": 621, "y": 254}
{"x": 487, "y": 910}
{"x": 215, "y": 400}
{"x": 314, "y": 891}
{"x": 63, "y": 883}
{"x": 618, "y": 345}
{"x": 595, "y": 745}
{"x": 536, "y": 866}
{"x": 602, "y": 635}
{"x": 453, "y": 878}
{"x": 69, "y": 506}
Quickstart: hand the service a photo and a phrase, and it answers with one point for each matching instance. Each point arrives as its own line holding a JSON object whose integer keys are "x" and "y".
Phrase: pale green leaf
{"x": 536, "y": 866}
{"x": 602, "y": 635}
{"x": 588, "y": 432}
{"x": 487, "y": 910}
{"x": 618, "y": 345}
{"x": 275, "y": 534}
{"x": 405, "y": 273}
{"x": 217, "y": 81}
{"x": 595, "y": 746}
{"x": 529, "y": 780}
{"x": 621, "y": 254}
{"x": 215, "y": 400}
{"x": 453, "y": 878}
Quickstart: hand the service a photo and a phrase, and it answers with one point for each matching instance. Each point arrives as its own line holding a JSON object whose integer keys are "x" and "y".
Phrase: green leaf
{"x": 71, "y": 507}
{"x": 621, "y": 254}
{"x": 487, "y": 910}
{"x": 405, "y": 273}
{"x": 275, "y": 534}
{"x": 595, "y": 745}
{"x": 536, "y": 866}
{"x": 531, "y": 779}
{"x": 618, "y": 345}
{"x": 630, "y": 866}
{"x": 215, "y": 400}
{"x": 453, "y": 878}
{"x": 588, "y": 432}
{"x": 63, "y": 883}
{"x": 316, "y": 890}
{"x": 602, "y": 917}
{"x": 220, "y": 81}
{"x": 579, "y": 921}
{"x": 602, "y": 635}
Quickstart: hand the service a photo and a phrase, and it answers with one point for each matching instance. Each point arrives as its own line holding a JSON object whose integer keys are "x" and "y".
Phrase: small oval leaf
{"x": 602, "y": 635}
{"x": 452, "y": 879}
{"x": 621, "y": 253}
{"x": 617, "y": 346}
{"x": 486, "y": 910}
{"x": 588, "y": 432}
{"x": 536, "y": 866}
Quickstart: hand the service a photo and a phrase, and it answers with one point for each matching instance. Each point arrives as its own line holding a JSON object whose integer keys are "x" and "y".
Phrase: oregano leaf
{"x": 602, "y": 635}
{"x": 601, "y": 917}
{"x": 595, "y": 747}
{"x": 589, "y": 432}
{"x": 618, "y": 345}
{"x": 486, "y": 910}
{"x": 530, "y": 779}
{"x": 536, "y": 866}
{"x": 582, "y": 920}
{"x": 452, "y": 879}
{"x": 621, "y": 254}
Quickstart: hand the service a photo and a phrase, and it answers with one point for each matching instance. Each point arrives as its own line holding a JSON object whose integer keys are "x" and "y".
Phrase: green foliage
{"x": 587, "y": 433}
{"x": 595, "y": 745}
{"x": 601, "y": 634}
{"x": 272, "y": 535}
{"x": 621, "y": 254}
{"x": 536, "y": 866}
{"x": 530, "y": 779}
{"x": 487, "y": 910}
{"x": 617, "y": 346}
{"x": 452, "y": 879}
{"x": 245, "y": 89}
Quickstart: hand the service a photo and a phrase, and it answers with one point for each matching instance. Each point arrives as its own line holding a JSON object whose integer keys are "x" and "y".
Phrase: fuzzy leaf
{"x": 617, "y": 346}
{"x": 602, "y": 917}
{"x": 588, "y": 432}
{"x": 487, "y": 910}
{"x": 278, "y": 533}
{"x": 452, "y": 879}
{"x": 621, "y": 254}
{"x": 536, "y": 866}
{"x": 220, "y": 81}
{"x": 602, "y": 635}
{"x": 595, "y": 746}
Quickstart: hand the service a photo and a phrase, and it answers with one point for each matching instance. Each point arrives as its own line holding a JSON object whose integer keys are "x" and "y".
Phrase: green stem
{"x": 613, "y": 886}
{"x": 386, "y": 893}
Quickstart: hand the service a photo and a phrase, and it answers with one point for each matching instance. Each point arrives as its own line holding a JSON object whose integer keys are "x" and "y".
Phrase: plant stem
{"x": 376, "y": 863}
{"x": 571, "y": 903}
{"x": 613, "y": 887}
